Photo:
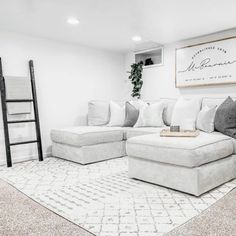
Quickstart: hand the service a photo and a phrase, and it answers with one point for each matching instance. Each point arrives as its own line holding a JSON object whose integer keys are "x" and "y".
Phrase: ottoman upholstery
{"x": 194, "y": 181}
{"x": 133, "y": 132}
{"x": 87, "y": 135}
{"x": 189, "y": 152}
{"x": 89, "y": 154}
{"x": 87, "y": 144}
{"x": 192, "y": 165}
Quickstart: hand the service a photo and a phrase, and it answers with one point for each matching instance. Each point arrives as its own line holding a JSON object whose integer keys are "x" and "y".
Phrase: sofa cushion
{"x": 189, "y": 152}
{"x": 151, "y": 115}
{"x": 87, "y": 135}
{"x": 168, "y": 110}
{"x": 85, "y": 154}
{"x": 205, "y": 119}
{"x": 131, "y": 115}
{"x": 133, "y": 132}
{"x": 117, "y": 114}
{"x": 185, "y": 113}
{"x": 234, "y": 144}
{"x": 212, "y": 102}
{"x": 98, "y": 113}
{"x": 225, "y": 118}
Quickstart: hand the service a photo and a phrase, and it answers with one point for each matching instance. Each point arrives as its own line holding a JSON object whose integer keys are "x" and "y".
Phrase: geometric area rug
{"x": 102, "y": 199}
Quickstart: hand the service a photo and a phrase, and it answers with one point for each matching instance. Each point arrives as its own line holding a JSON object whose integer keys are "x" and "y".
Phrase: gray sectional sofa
{"x": 192, "y": 165}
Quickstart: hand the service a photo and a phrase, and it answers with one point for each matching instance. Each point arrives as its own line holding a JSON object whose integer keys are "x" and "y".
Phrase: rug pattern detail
{"x": 102, "y": 199}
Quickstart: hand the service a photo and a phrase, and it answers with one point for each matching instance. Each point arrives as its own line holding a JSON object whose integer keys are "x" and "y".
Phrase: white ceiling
{"x": 110, "y": 24}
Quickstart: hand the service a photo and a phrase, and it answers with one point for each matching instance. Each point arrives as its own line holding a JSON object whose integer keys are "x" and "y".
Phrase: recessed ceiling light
{"x": 136, "y": 38}
{"x": 73, "y": 21}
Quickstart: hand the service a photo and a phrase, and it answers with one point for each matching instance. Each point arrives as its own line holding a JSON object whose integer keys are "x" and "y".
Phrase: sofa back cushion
{"x": 151, "y": 115}
{"x": 131, "y": 115}
{"x": 225, "y": 118}
{"x": 168, "y": 110}
{"x": 206, "y": 118}
{"x": 117, "y": 114}
{"x": 185, "y": 113}
{"x": 212, "y": 102}
{"x": 99, "y": 112}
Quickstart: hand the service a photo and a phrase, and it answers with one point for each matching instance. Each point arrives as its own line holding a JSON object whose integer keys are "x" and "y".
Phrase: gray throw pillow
{"x": 131, "y": 115}
{"x": 225, "y": 118}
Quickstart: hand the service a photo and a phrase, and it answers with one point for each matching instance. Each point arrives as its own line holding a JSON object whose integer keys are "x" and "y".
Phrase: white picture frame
{"x": 209, "y": 63}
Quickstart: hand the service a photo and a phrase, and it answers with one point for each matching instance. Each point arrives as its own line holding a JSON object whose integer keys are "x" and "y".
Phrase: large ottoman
{"x": 88, "y": 144}
{"x": 192, "y": 165}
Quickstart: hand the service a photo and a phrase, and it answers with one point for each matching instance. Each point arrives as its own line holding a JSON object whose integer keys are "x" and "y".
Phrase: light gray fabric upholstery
{"x": 190, "y": 152}
{"x": 225, "y": 118}
{"x": 190, "y": 180}
{"x": 89, "y": 154}
{"x": 192, "y": 165}
{"x": 98, "y": 113}
{"x": 212, "y": 102}
{"x": 87, "y": 135}
{"x": 168, "y": 111}
{"x": 234, "y": 144}
{"x": 205, "y": 119}
{"x": 133, "y": 132}
{"x": 131, "y": 115}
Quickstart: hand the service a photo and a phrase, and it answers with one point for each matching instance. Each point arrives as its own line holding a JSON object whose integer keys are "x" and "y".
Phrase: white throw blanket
{"x": 18, "y": 88}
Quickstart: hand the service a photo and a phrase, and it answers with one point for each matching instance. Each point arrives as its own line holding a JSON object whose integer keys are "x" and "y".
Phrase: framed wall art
{"x": 209, "y": 63}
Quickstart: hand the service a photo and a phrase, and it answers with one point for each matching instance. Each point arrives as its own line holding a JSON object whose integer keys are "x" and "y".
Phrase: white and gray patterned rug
{"x": 102, "y": 199}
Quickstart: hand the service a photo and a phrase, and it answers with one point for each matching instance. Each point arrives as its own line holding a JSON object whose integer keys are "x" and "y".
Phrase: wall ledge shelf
{"x": 155, "y": 54}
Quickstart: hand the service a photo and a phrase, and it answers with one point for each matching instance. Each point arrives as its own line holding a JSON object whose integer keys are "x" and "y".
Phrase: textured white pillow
{"x": 205, "y": 119}
{"x": 185, "y": 113}
{"x": 117, "y": 114}
{"x": 151, "y": 115}
{"x": 138, "y": 104}
{"x": 98, "y": 112}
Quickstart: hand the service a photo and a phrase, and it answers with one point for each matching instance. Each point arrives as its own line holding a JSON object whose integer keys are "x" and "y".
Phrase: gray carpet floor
{"x": 20, "y": 215}
{"x": 217, "y": 220}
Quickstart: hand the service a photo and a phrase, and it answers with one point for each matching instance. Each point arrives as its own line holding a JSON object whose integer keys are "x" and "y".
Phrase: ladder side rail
{"x": 4, "y": 116}
{"x": 36, "y": 113}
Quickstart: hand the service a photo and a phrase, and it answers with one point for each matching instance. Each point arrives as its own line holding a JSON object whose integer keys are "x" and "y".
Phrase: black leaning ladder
{"x": 4, "y": 102}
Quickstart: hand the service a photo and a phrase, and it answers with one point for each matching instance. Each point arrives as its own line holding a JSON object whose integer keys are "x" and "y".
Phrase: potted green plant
{"x": 136, "y": 79}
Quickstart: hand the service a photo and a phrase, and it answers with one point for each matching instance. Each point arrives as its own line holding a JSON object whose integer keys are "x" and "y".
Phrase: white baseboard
{"x": 25, "y": 158}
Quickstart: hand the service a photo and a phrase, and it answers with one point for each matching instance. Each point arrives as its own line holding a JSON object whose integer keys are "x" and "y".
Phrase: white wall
{"x": 67, "y": 76}
{"x": 160, "y": 81}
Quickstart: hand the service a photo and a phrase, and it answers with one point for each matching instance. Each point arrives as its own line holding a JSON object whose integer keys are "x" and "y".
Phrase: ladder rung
{"x": 19, "y": 100}
{"x": 20, "y": 121}
{"x": 25, "y": 142}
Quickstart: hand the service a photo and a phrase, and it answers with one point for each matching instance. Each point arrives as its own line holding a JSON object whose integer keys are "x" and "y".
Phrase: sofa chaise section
{"x": 192, "y": 165}
{"x": 88, "y": 144}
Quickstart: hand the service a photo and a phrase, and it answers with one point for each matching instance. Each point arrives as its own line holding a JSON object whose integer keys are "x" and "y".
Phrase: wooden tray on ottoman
{"x": 184, "y": 133}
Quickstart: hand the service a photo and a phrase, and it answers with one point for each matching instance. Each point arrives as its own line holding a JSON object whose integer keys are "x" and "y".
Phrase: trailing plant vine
{"x": 136, "y": 78}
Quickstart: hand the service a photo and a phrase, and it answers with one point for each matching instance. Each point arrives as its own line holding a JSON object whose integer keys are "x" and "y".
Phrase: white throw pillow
{"x": 98, "y": 112}
{"x": 185, "y": 113}
{"x": 138, "y": 104}
{"x": 205, "y": 119}
{"x": 151, "y": 115}
{"x": 117, "y": 114}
